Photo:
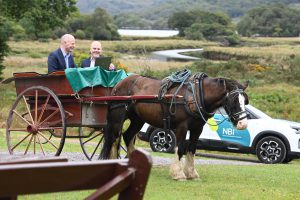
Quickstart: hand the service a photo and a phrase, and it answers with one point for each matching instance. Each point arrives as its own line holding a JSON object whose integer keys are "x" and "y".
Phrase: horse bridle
{"x": 231, "y": 95}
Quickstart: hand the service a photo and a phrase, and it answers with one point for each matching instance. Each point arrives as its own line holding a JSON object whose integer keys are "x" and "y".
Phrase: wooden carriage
{"x": 45, "y": 106}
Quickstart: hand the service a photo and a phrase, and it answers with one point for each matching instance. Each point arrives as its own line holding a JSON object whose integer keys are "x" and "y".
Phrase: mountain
{"x": 233, "y": 8}
{"x": 161, "y": 10}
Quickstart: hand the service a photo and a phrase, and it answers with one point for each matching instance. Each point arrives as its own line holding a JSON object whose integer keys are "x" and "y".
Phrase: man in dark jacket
{"x": 61, "y": 58}
{"x": 96, "y": 52}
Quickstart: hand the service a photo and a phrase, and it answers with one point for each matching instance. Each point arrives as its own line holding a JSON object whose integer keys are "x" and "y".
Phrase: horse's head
{"x": 234, "y": 103}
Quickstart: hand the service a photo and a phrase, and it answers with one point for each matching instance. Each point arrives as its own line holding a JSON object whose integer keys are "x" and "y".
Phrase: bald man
{"x": 96, "y": 52}
{"x": 61, "y": 58}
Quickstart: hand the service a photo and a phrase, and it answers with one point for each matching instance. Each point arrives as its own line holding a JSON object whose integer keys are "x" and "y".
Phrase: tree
{"x": 130, "y": 20}
{"x": 198, "y": 24}
{"x": 98, "y": 26}
{"x": 4, "y": 32}
{"x": 274, "y": 20}
{"x": 181, "y": 20}
{"x": 39, "y": 16}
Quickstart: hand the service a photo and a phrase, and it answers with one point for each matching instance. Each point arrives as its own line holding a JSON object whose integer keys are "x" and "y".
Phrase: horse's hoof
{"x": 179, "y": 177}
{"x": 191, "y": 174}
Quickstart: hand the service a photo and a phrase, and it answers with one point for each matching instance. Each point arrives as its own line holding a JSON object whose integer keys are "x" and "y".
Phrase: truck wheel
{"x": 160, "y": 141}
{"x": 271, "y": 150}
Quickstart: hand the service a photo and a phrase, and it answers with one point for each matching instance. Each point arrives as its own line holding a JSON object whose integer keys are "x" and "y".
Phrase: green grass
{"x": 271, "y": 90}
{"x": 216, "y": 182}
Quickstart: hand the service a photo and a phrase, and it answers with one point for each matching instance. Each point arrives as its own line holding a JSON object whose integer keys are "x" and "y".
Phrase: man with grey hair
{"x": 61, "y": 58}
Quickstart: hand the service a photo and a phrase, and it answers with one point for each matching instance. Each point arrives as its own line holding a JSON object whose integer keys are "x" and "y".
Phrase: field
{"x": 271, "y": 65}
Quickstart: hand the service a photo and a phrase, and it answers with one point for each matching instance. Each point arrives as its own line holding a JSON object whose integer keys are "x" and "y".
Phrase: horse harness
{"x": 194, "y": 91}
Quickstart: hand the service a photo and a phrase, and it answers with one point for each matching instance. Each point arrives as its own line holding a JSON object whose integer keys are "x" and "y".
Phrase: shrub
{"x": 60, "y": 32}
{"x": 233, "y": 39}
{"x": 80, "y": 34}
{"x": 194, "y": 32}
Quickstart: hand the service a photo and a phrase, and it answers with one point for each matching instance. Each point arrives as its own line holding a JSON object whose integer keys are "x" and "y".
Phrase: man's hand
{"x": 112, "y": 67}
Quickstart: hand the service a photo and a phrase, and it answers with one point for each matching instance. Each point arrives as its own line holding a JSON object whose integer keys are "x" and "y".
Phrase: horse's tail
{"x": 105, "y": 152}
{"x": 112, "y": 131}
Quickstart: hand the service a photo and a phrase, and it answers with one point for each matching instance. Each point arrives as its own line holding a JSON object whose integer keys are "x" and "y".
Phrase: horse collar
{"x": 196, "y": 105}
{"x": 201, "y": 96}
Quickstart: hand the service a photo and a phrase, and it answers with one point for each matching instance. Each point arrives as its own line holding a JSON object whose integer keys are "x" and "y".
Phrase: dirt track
{"x": 157, "y": 160}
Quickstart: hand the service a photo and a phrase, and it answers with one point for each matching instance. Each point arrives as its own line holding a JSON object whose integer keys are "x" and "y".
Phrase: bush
{"x": 233, "y": 39}
{"x": 194, "y": 32}
{"x": 101, "y": 34}
{"x": 79, "y": 57}
{"x": 80, "y": 34}
{"x": 4, "y": 34}
{"x": 19, "y": 33}
{"x": 60, "y": 32}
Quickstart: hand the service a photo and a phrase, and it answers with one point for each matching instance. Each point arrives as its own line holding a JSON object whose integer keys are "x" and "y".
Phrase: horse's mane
{"x": 232, "y": 84}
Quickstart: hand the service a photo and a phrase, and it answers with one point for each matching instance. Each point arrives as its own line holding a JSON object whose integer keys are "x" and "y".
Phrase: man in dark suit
{"x": 96, "y": 52}
{"x": 61, "y": 58}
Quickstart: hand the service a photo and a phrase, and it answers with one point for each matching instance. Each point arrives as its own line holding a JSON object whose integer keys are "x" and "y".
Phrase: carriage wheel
{"x": 91, "y": 142}
{"x": 36, "y": 123}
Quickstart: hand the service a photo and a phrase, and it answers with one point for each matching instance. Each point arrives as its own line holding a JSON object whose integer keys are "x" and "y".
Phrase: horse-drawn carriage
{"x": 46, "y": 105}
{"x": 48, "y": 109}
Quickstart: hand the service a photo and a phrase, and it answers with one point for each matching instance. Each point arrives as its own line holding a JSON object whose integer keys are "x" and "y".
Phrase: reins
{"x": 201, "y": 109}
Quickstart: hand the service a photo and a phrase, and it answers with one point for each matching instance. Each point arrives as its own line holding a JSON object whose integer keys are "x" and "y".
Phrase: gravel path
{"x": 157, "y": 160}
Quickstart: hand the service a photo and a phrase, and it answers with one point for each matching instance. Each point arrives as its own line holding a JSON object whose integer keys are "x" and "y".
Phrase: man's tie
{"x": 67, "y": 60}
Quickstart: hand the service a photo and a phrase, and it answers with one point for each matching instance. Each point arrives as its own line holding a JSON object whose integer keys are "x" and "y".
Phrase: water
{"x": 165, "y": 55}
{"x": 148, "y": 33}
{"x": 174, "y": 54}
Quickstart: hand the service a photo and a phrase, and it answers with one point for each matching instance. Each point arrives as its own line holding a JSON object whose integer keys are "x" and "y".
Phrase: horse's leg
{"x": 135, "y": 125}
{"x": 113, "y": 132}
{"x": 189, "y": 167}
{"x": 176, "y": 169}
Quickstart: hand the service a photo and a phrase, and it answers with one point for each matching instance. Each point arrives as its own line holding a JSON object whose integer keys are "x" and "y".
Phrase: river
{"x": 165, "y": 55}
{"x": 174, "y": 54}
{"x": 147, "y": 33}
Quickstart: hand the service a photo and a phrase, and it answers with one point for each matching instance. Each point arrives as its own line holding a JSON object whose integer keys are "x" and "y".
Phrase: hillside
{"x": 155, "y": 9}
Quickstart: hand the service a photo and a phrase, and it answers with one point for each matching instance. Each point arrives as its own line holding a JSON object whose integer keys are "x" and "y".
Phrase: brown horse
{"x": 196, "y": 101}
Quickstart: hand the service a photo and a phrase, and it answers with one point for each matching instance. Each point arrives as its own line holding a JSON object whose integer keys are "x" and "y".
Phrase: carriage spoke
{"x": 36, "y": 106}
{"x": 96, "y": 148}
{"x": 28, "y": 109}
{"x": 34, "y": 143}
{"x": 92, "y": 137}
{"x": 21, "y": 117}
{"x": 47, "y": 140}
{"x": 50, "y": 116}
{"x": 123, "y": 148}
{"x": 18, "y": 129}
{"x": 38, "y": 138}
{"x": 43, "y": 109}
{"x": 20, "y": 141}
{"x": 28, "y": 144}
{"x": 37, "y": 116}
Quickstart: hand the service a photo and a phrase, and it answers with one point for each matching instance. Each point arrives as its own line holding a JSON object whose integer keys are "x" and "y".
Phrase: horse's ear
{"x": 221, "y": 81}
{"x": 246, "y": 84}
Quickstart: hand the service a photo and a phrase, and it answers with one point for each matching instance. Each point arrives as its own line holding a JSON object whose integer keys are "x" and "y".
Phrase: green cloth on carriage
{"x": 80, "y": 78}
